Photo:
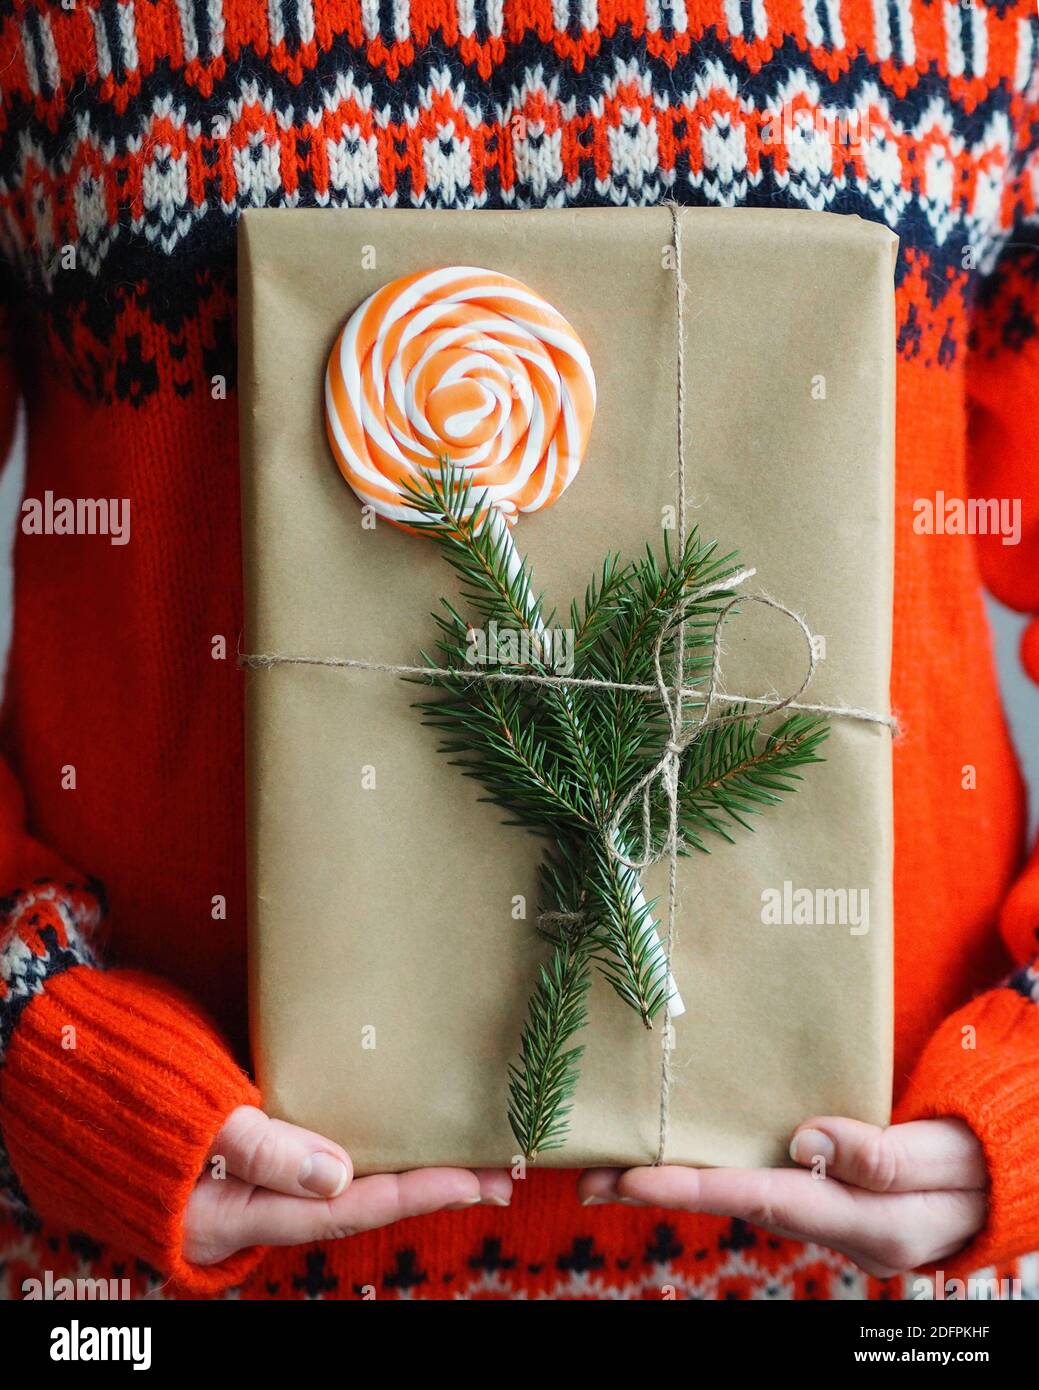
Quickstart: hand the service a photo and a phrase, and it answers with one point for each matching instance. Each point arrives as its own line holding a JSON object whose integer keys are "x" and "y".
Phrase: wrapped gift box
{"x": 389, "y": 971}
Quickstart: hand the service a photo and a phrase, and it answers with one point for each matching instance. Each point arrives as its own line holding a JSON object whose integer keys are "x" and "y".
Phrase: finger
{"x": 922, "y": 1156}
{"x": 281, "y": 1157}
{"x": 388, "y": 1197}
{"x": 886, "y": 1232}
{"x": 780, "y": 1200}
{"x": 596, "y": 1186}
{"x": 495, "y": 1187}
{"x": 272, "y": 1219}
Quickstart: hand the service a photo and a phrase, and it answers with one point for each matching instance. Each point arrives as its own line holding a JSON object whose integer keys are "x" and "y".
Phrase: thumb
{"x": 922, "y": 1156}
{"x": 281, "y": 1157}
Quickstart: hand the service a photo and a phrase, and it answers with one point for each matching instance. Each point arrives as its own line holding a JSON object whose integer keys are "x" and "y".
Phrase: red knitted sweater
{"x": 133, "y": 130}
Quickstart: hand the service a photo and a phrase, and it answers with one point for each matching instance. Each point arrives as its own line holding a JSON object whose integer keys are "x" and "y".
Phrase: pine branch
{"x": 503, "y": 749}
{"x": 735, "y": 771}
{"x": 635, "y": 725}
{"x": 542, "y": 1083}
{"x": 449, "y": 515}
{"x": 558, "y": 759}
{"x": 626, "y": 938}
{"x": 632, "y": 729}
{"x": 526, "y": 750}
{"x": 603, "y": 599}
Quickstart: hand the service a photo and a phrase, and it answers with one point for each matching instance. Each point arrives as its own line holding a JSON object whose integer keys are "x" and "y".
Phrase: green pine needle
{"x": 543, "y": 1081}
{"x": 557, "y": 760}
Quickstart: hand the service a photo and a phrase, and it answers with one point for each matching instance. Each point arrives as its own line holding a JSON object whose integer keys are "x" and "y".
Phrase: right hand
{"x": 288, "y": 1186}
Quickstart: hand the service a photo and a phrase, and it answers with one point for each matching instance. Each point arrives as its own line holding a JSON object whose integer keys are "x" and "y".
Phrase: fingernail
{"x": 596, "y": 1201}
{"x": 463, "y": 1206}
{"x": 630, "y": 1202}
{"x": 495, "y": 1201}
{"x": 809, "y": 1144}
{"x": 322, "y": 1174}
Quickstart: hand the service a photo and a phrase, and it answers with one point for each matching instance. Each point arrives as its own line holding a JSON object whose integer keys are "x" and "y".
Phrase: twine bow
{"x": 668, "y": 768}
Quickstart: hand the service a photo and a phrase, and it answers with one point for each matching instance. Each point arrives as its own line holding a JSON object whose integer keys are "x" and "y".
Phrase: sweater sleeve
{"x": 983, "y": 1063}
{"x": 112, "y": 1085}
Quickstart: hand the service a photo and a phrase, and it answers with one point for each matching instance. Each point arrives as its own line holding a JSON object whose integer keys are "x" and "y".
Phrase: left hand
{"x": 891, "y": 1199}
{"x": 282, "y": 1185}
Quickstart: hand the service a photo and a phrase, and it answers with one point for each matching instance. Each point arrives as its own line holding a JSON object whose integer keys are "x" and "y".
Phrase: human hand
{"x": 287, "y": 1186}
{"x": 889, "y": 1199}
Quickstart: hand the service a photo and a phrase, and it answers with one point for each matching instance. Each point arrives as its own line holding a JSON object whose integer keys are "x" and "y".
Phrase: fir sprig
{"x": 542, "y": 1083}
{"x": 559, "y": 759}
{"x": 734, "y": 771}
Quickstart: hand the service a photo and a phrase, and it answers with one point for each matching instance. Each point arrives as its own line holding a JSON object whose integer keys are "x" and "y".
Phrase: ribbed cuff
{"x": 45, "y": 929}
{"x": 112, "y": 1091}
{"x": 982, "y": 1066}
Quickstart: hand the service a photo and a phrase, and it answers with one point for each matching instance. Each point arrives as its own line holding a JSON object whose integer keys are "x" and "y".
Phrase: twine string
{"x": 667, "y": 769}
{"x": 259, "y": 661}
{"x": 671, "y": 763}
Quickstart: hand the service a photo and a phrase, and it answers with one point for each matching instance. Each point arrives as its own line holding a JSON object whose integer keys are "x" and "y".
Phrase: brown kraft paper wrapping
{"x": 385, "y": 916}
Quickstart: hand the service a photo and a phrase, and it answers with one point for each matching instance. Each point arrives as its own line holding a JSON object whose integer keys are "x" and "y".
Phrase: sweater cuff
{"x": 982, "y": 1066}
{"x": 112, "y": 1092}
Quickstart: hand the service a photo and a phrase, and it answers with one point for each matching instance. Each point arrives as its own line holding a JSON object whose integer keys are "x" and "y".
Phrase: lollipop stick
{"x": 502, "y": 534}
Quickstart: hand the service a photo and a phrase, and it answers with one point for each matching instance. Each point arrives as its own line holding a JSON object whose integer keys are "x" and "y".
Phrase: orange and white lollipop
{"x": 463, "y": 364}
{"x": 471, "y": 366}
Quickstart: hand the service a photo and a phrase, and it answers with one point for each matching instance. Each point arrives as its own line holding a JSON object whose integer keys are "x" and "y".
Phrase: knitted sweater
{"x": 133, "y": 132}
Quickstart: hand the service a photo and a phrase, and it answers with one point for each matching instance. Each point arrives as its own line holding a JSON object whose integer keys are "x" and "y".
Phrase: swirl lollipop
{"x": 470, "y": 366}
{"x": 465, "y": 364}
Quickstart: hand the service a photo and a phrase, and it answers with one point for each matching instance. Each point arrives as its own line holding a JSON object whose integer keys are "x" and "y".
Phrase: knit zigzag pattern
{"x": 136, "y": 131}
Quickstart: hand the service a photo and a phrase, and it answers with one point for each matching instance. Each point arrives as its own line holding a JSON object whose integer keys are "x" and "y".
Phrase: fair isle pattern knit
{"x": 135, "y": 131}
{"x": 659, "y": 1267}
